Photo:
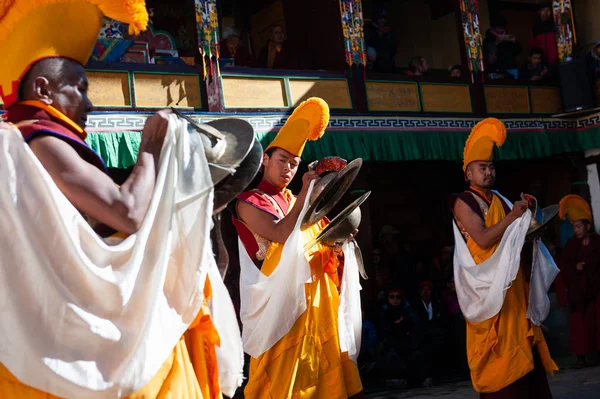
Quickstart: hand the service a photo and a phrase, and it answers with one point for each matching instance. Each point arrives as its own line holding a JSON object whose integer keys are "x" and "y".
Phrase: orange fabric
{"x": 190, "y": 371}
{"x": 306, "y": 362}
{"x": 499, "y": 350}
{"x": 58, "y": 115}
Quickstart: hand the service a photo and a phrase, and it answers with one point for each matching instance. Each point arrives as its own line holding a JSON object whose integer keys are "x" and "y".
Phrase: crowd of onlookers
{"x": 414, "y": 334}
{"x": 501, "y": 50}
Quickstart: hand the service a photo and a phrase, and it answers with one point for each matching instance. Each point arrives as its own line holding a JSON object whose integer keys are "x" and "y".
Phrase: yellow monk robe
{"x": 306, "y": 362}
{"x": 190, "y": 371}
{"x": 499, "y": 350}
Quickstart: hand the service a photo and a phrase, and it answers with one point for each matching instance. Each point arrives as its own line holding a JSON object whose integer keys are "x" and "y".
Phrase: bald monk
{"x": 51, "y": 114}
{"x": 508, "y": 356}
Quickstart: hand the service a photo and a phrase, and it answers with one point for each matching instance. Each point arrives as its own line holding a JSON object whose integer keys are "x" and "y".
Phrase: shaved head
{"x": 59, "y": 82}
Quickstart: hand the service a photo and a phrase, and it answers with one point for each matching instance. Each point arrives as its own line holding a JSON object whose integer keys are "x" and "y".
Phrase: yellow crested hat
{"x": 481, "y": 141}
{"x": 31, "y": 30}
{"x": 574, "y": 208}
{"x": 308, "y": 122}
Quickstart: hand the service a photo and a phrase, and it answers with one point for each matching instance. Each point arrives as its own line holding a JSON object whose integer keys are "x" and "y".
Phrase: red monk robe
{"x": 583, "y": 288}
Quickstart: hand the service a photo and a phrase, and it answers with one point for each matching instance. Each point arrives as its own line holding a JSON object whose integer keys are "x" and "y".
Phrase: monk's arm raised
{"x": 486, "y": 237}
{"x": 93, "y": 192}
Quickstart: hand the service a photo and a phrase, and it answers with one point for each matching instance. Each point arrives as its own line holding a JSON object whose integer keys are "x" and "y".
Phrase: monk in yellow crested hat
{"x": 505, "y": 344}
{"x": 580, "y": 266}
{"x": 31, "y": 30}
{"x": 574, "y": 208}
{"x": 304, "y": 357}
{"x": 44, "y": 45}
{"x": 479, "y": 147}
{"x": 308, "y": 122}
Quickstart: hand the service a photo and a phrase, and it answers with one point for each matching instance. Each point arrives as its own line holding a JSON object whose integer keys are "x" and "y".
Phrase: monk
{"x": 307, "y": 361}
{"x": 48, "y": 102}
{"x": 580, "y": 266}
{"x": 507, "y": 353}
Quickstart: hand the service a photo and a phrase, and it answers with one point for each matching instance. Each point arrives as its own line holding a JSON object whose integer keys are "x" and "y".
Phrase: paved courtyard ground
{"x": 567, "y": 384}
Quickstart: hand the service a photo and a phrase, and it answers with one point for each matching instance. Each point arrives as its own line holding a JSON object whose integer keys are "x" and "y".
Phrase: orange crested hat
{"x": 481, "y": 141}
{"x": 574, "y": 208}
{"x": 308, "y": 122}
{"x": 31, "y": 30}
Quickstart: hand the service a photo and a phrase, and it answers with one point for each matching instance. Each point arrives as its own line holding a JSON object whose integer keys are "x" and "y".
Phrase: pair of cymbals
{"x": 233, "y": 153}
{"x": 337, "y": 176}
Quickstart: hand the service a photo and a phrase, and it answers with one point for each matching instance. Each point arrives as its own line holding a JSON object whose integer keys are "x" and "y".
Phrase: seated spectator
{"x": 455, "y": 71}
{"x": 231, "y": 48}
{"x": 535, "y": 69}
{"x": 418, "y": 66}
{"x": 433, "y": 327}
{"x": 505, "y": 43}
{"x": 398, "y": 358}
{"x": 493, "y": 70}
{"x": 379, "y": 37}
{"x": 277, "y": 53}
{"x": 371, "y": 58}
{"x": 593, "y": 61}
{"x": 368, "y": 346}
{"x": 543, "y": 34}
{"x": 443, "y": 267}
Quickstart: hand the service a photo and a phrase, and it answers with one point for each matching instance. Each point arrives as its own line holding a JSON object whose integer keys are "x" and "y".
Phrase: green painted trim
{"x": 198, "y": 80}
{"x": 509, "y": 113}
{"x": 393, "y": 81}
{"x": 286, "y": 89}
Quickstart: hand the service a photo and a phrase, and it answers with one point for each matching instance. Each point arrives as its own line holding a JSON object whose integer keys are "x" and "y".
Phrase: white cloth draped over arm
{"x": 83, "y": 319}
{"x": 350, "y": 312}
{"x": 481, "y": 288}
{"x": 270, "y": 305}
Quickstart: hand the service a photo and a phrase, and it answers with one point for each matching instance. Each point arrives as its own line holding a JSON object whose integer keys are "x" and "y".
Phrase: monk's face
{"x": 481, "y": 174}
{"x": 70, "y": 95}
{"x": 280, "y": 168}
{"x": 581, "y": 228}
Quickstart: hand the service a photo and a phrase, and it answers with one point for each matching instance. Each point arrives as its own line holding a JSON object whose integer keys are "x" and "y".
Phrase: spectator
{"x": 379, "y": 37}
{"x": 493, "y": 70}
{"x": 277, "y": 53}
{"x": 506, "y": 45}
{"x": 433, "y": 328}
{"x": 535, "y": 69}
{"x": 455, "y": 71}
{"x": 543, "y": 34}
{"x": 371, "y": 58}
{"x": 231, "y": 48}
{"x": 418, "y": 66}
{"x": 368, "y": 346}
{"x": 443, "y": 267}
{"x": 398, "y": 359}
{"x": 593, "y": 61}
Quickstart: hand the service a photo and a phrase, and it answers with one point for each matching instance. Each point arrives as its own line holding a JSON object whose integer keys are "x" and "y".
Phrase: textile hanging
{"x": 469, "y": 10}
{"x": 565, "y": 29}
{"x": 352, "y": 27}
{"x": 119, "y": 149}
{"x": 207, "y": 24}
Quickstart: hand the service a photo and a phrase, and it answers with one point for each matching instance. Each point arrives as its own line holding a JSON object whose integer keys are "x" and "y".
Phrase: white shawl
{"x": 481, "y": 288}
{"x": 83, "y": 319}
{"x": 270, "y": 305}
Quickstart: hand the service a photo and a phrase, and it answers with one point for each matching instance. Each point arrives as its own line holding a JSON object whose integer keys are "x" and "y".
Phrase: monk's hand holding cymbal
{"x": 519, "y": 207}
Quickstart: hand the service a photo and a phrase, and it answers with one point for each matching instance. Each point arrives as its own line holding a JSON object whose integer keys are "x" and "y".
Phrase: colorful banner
{"x": 207, "y": 23}
{"x": 565, "y": 29}
{"x": 472, "y": 35}
{"x": 352, "y": 26}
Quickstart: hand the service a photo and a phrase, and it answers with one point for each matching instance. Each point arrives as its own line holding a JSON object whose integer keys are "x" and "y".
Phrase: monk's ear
{"x": 265, "y": 160}
{"x": 42, "y": 90}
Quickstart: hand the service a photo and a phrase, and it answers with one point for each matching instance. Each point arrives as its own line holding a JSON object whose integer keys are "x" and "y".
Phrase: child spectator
{"x": 535, "y": 69}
